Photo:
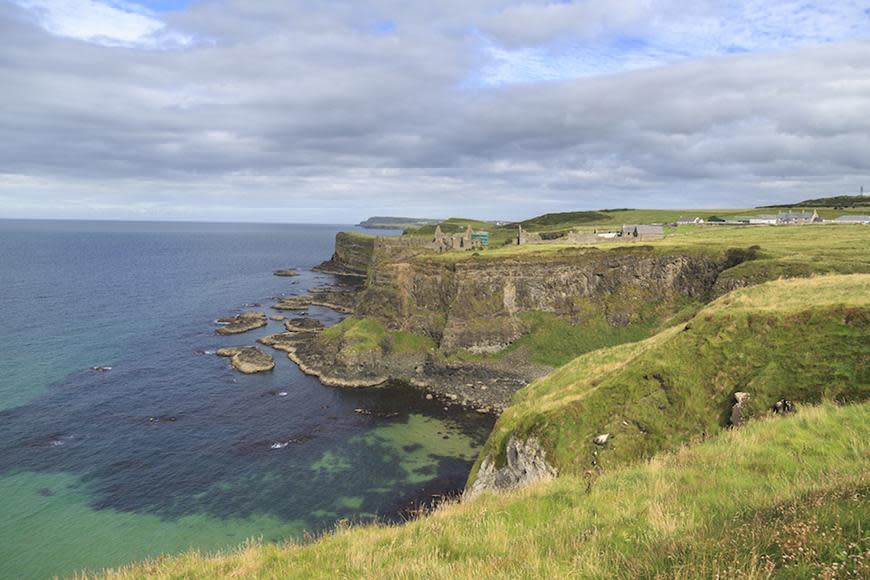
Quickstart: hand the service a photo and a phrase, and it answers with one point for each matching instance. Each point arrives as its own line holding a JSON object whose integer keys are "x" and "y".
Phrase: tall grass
{"x": 783, "y": 497}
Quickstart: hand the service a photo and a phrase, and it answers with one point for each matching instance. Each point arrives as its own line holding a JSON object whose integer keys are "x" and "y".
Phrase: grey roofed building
{"x": 644, "y": 232}
{"x": 853, "y": 219}
{"x": 690, "y": 220}
{"x": 798, "y": 217}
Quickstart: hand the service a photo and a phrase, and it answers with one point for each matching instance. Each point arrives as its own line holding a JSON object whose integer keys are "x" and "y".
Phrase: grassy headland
{"x": 803, "y": 340}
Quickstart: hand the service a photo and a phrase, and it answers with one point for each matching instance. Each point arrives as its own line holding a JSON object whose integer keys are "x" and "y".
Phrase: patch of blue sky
{"x": 155, "y": 5}
{"x": 736, "y": 27}
{"x": 384, "y": 27}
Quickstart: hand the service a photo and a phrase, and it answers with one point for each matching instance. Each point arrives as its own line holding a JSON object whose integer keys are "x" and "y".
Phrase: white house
{"x": 762, "y": 219}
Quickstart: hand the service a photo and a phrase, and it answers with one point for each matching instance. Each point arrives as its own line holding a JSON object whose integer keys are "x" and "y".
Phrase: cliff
{"x": 352, "y": 256}
{"x": 475, "y": 304}
{"x": 477, "y": 329}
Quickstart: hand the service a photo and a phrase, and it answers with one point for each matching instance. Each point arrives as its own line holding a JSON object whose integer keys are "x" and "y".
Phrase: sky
{"x": 330, "y": 112}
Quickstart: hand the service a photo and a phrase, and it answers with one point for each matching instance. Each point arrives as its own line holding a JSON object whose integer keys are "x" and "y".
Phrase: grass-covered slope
{"x": 802, "y": 340}
{"x": 782, "y": 498}
{"x": 838, "y": 201}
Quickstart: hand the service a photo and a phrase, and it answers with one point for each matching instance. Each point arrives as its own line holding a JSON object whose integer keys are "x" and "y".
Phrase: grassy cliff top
{"x": 803, "y": 340}
{"x": 781, "y": 498}
{"x": 785, "y": 251}
{"x": 613, "y": 219}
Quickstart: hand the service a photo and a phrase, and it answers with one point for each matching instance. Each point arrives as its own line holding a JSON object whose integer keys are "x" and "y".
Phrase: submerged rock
{"x": 248, "y": 359}
{"x": 277, "y": 317}
{"x": 292, "y": 303}
{"x": 248, "y": 320}
{"x": 288, "y": 273}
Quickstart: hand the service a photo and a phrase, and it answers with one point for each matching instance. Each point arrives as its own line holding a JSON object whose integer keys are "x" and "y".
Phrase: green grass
{"x": 368, "y": 333}
{"x": 803, "y": 340}
{"x": 612, "y": 220}
{"x": 552, "y": 341}
{"x": 784, "y": 251}
{"x": 781, "y": 498}
{"x": 842, "y": 201}
{"x": 358, "y": 334}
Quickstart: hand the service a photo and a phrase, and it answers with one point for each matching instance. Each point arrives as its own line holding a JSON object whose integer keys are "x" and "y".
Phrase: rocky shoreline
{"x": 430, "y": 323}
{"x": 484, "y": 388}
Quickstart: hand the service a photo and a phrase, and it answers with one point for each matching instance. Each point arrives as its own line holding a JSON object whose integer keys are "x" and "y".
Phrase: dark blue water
{"x": 172, "y": 449}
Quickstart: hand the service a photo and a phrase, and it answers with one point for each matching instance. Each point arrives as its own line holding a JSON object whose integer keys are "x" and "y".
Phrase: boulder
{"x": 525, "y": 463}
{"x": 783, "y": 407}
{"x": 601, "y": 439}
{"x": 738, "y": 410}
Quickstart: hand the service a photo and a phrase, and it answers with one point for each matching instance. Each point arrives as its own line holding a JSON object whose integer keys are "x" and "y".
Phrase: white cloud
{"x": 110, "y": 24}
{"x": 295, "y": 111}
{"x": 541, "y": 40}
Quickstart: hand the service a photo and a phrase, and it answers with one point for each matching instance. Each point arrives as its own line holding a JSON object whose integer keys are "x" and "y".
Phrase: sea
{"x": 167, "y": 448}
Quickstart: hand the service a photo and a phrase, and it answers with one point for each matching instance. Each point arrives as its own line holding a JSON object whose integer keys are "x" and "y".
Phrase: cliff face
{"x": 433, "y": 320}
{"x": 474, "y": 304}
{"x": 352, "y": 256}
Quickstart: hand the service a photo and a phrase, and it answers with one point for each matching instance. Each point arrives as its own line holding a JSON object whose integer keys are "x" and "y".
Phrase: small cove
{"x": 172, "y": 449}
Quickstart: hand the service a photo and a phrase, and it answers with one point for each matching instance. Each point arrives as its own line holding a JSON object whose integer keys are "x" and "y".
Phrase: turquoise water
{"x": 172, "y": 449}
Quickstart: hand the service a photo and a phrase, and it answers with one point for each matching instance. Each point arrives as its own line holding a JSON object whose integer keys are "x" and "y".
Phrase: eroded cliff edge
{"x": 470, "y": 327}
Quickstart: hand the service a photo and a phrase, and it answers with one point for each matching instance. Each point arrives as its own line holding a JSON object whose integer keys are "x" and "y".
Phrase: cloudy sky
{"x": 331, "y": 111}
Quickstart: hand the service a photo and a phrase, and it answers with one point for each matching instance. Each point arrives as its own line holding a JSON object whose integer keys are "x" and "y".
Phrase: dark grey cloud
{"x": 316, "y": 112}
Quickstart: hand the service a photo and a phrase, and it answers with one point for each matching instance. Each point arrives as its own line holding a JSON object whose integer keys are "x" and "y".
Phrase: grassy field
{"x": 613, "y": 219}
{"x": 780, "y": 498}
{"x": 802, "y": 340}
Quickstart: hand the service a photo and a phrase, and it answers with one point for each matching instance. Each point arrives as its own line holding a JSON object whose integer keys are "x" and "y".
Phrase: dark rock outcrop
{"x": 303, "y": 325}
{"x": 248, "y": 359}
{"x": 244, "y": 322}
{"x": 293, "y": 303}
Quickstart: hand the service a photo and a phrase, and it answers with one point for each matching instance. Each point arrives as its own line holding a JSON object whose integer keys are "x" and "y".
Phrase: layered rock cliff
{"x": 437, "y": 321}
{"x": 474, "y": 304}
{"x": 352, "y": 256}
